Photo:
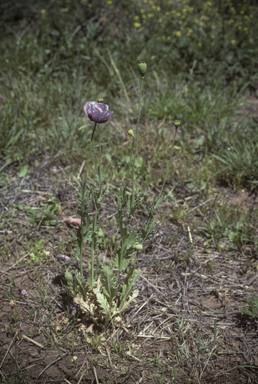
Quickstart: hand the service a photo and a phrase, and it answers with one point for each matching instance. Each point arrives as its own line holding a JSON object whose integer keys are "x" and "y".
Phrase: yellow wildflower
{"x": 136, "y": 17}
{"x": 178, "y": 33}
{"x": 137, "y": 25}
{"x": 200, "y": 44}
{"x": 109, "y": 2}
{"x": 233, "y": 42}
{"x": 43, "y": 12}
{"x": 65, "y": 10}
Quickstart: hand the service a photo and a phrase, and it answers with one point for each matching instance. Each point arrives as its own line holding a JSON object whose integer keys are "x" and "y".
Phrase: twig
{"x": 95, "y": 374}
{"x": 133, "y": 357}
{"x": 82, "y": 375}
{"x": 109, "y": 359}
{"x": 33, "y": 341}
{"x": 190, "y": 235}
{"x": 80, "y": 171}
{"x": 10, "y": 346}
{"x": 154, "y": 337}
{"x": 139, "y": 309}
{"x": 153, "y": 286}
{"x": 198, "y": 206}
{"x": 252, "y": 280}
{"x": 23, "y": 257}
{"x": 53, "y": 362}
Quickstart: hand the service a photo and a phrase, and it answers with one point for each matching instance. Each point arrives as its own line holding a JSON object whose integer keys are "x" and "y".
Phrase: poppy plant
{"x": 97, "y": 112}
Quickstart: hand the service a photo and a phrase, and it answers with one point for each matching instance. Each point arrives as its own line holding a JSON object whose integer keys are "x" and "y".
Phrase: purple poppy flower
{"x": 73, "y": 310}
{"x": 97, "y": 112}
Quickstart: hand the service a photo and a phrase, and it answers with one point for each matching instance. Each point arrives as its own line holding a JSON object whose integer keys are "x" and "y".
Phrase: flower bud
{"x": 130, "y": 133}
{"x": 177, "y": 123}
{"x": 138, "y": 246}
{"x": 100, "y": 100}
{"x": 142, "y": 66}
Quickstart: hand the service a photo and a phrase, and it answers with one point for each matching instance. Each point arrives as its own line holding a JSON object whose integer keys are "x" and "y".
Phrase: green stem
{"x": 93, "y": 248}
{"x": 120, "y": 259}
{"x": 135, "y": 259}
{"x": 170, "y": 161}
{"x": 99, "y": 151}
{"x": 93, "y": 131}
{"x": 136, "y": 146}
{"x": 130, "y": 164}
{"x": 81, "y": 246}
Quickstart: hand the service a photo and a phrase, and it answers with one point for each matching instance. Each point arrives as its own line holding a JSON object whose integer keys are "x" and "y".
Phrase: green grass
{"x": 202, "y": 64}
{"x": 201, "y": 60}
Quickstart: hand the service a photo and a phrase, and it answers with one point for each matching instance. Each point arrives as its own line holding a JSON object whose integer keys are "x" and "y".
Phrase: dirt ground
{"x": 186, "y": 325}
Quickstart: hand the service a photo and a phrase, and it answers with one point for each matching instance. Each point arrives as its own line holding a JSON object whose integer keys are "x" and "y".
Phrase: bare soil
{"x": 186, "y": 325}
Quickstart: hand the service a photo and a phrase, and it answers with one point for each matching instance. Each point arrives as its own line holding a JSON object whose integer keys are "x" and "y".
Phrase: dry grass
{"x": 186, "y": 326}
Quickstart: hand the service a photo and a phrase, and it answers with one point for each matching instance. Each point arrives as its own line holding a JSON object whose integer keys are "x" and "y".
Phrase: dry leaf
{"x": 71, "y": 220}
{"x": 90, "y": 329}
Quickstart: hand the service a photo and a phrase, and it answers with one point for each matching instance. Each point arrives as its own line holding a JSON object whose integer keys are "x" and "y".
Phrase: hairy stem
{"x": 93, "y": 131}
{"x": 136, "y": 144}
{"x": 170, "y": 161}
